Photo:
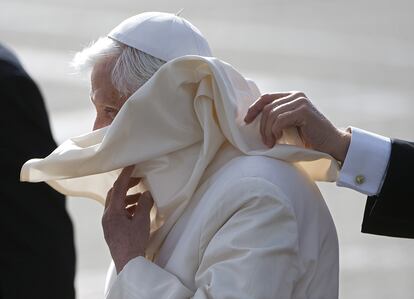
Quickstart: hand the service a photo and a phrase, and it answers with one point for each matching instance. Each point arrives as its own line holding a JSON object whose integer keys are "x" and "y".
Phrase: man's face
{"x": 104, "y": 96}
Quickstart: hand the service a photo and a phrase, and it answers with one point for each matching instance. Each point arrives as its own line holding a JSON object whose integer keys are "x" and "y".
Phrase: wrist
{"x": 341, "y": 145}
{"x": 121, "y": 262}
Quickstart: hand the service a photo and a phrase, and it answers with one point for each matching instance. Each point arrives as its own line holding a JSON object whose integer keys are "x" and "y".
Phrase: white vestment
{"x": 256, "y": 227}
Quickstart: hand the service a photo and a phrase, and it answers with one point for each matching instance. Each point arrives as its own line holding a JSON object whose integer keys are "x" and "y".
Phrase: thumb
{"x": 145, "y": 203}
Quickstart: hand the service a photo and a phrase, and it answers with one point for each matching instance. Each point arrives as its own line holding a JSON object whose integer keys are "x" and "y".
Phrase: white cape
{"x": 171, "y": 129}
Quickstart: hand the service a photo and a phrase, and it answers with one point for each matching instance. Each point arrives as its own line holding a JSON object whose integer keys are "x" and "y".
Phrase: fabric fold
{"x": 171, "y": 129}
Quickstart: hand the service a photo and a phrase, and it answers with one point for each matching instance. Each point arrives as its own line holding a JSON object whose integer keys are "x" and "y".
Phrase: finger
{"x": 264, "y": 100}
{"x": 292, "y": 118}
{"x": 289, "y": 98}
{"x": 260, "y": 103}
{"x": 131, "y": 210}
{"x": 145, "y": 203}
{"x": 108, "y": 198}
{"x": 132, "y": 199}
{"x": 131, "y": 202}
{"x": 120, "y": 189}
{"x": 289, "y": 104}
{"x": 303, "y": 139}
{"x": 133, "y": 182}
{"x": 267, "y": 110}
{"x": 263, "y": 121}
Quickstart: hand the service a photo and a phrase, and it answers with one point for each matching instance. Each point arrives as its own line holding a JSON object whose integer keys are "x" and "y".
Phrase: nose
{"x": 100, "y": 123}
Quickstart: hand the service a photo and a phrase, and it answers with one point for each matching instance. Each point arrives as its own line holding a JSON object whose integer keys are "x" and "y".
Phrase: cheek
{"x": 101, "y": 121}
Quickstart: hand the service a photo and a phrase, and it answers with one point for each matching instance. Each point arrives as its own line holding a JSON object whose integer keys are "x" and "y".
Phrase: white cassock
{"x": 255, "y": 228}
{"x": 233, "y": 218}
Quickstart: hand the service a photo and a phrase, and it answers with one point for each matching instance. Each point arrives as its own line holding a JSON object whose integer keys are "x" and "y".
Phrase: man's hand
{"x": 294, "y": 109}
{"x": 126, "y": 220}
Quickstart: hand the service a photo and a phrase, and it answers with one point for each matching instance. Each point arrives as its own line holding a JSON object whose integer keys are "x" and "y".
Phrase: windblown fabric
{"x": 171, "y": 129}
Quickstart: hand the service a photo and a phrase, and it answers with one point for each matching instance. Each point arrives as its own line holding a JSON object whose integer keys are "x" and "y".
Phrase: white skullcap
{"x": 163, "y": 35}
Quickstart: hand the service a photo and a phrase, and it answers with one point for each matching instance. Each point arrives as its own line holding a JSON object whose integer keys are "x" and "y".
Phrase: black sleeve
{"x": 391, "y": 213}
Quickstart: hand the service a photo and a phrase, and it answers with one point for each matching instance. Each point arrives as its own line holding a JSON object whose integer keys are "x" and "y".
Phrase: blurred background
{"x": 354, "y": 59}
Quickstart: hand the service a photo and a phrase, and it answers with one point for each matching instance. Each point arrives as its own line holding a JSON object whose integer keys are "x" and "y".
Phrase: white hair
{"x": 131, "y": 68}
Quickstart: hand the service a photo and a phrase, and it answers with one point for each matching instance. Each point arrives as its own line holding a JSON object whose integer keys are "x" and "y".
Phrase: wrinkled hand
{"x": 126, "y": 220}
{"x": 293, "y": 109}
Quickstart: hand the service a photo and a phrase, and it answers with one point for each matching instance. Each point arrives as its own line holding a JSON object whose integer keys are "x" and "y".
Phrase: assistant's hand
{"x": 293, "y": 109}
{"x": 126, "y": 220}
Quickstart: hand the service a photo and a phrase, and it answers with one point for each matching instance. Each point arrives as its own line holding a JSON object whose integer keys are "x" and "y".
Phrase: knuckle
{"x": 254, "y": 109}
{"x": 267, "y": 109}
{"x": 302, "y": 101}
{"x": 284, "y": 115}
{"x": 303, "y": 108}
{"x": 300, "y": 94}
{"x": 281, "y": 119}
{"x": 273, "y": 115}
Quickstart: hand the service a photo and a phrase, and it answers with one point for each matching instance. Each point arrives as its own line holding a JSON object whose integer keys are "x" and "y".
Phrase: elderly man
{"x": 231, "y": 220}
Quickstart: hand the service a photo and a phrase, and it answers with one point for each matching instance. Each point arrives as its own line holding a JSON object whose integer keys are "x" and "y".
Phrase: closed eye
{"x": 111, "y": 112}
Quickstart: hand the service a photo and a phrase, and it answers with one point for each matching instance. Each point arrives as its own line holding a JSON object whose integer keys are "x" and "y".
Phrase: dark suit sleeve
{"x": 391, "y": 213}
{"x": 37, "y": 256}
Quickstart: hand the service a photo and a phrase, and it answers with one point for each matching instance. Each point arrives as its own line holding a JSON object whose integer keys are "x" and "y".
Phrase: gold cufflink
{"x": 360, "y": 179}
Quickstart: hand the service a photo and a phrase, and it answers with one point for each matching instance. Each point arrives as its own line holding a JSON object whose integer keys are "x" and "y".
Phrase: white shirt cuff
{"x": 366, "y": 162}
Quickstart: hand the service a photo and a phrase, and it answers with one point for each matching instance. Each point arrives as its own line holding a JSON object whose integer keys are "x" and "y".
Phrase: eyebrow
{"x": 112, "y": 105}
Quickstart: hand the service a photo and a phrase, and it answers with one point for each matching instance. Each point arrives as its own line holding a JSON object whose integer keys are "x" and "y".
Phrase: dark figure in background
{"x": 37, "y": 254}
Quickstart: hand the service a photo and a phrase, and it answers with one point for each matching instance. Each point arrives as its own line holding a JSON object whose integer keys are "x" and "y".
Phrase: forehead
{"x": 102, "y": 89}
{"x": 101, "y": 71}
